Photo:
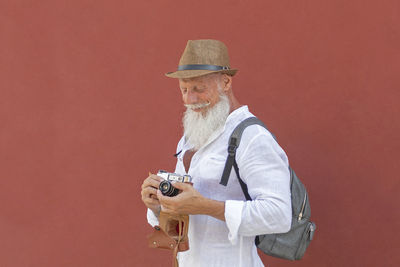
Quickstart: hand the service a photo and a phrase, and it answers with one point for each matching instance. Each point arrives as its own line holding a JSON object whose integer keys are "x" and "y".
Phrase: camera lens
{"x": 167, "y": 189}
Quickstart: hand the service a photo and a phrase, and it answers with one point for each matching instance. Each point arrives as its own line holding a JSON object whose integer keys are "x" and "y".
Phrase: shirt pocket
{"x": 210, "y": 172}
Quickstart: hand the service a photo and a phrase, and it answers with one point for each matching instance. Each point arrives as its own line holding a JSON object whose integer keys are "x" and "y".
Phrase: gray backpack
{"x": 293, "y": 244}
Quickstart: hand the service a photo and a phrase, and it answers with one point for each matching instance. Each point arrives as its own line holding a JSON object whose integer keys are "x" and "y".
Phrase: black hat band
{"x": 201, "y": 67}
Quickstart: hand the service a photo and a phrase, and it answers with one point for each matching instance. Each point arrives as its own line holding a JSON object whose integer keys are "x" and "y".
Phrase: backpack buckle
{"x": 232, "y": 150}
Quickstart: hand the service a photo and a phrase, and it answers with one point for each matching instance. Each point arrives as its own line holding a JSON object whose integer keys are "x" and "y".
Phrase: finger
{"x": 160, "y": 196}
{"x": 163, "y": 199}
{"x": 165, "y": 210}
{"x": 155, "y": 177}
{"x": 181, "y": 186}
{"x": 151, "y": 202}
{"x": 148, "y": 192}
{"x": 152, "y": 180}
{"x": 166, "y": 200}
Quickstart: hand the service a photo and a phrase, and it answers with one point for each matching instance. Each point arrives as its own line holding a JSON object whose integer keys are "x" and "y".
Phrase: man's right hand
{"x": 149, "y": 193}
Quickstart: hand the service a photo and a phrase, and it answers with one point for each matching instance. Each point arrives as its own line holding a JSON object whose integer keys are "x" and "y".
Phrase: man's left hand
{"x": 190, "y": 201}
{"x": 186, "y": 202}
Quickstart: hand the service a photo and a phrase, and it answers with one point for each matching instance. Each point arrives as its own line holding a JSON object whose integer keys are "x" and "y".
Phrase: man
{"x": 222, "y": 226}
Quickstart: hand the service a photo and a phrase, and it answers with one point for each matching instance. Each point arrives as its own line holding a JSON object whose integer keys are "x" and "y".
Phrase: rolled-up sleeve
{"x": 263, "y": 166}
{"x": 233, "y": 217}
{"x": 152, "y": 218}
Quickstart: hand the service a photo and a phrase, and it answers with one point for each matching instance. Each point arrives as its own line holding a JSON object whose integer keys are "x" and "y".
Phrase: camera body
{"x": 166, "y": 187}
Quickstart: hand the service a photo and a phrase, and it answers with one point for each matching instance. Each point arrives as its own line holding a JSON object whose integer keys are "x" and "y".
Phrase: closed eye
{"x": 199, "y": 90}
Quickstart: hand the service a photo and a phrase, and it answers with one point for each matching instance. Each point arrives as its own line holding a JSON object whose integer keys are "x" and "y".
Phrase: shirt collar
{"x": 236, "y": 114}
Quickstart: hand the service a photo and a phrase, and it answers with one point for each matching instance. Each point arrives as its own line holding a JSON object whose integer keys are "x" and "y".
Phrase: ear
{"x": 227, "y": 82}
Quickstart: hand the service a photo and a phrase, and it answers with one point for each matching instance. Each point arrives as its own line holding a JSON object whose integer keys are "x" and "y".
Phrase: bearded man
{"x": 222, "y": 225}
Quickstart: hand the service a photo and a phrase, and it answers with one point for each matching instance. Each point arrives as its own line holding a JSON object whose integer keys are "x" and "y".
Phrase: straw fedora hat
{"x": 203, "y": 57}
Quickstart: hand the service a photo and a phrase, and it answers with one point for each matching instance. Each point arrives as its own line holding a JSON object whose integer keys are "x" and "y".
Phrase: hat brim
{"x": 186, "y": 74}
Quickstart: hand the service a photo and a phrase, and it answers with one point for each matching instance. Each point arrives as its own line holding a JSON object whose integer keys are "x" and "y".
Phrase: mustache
{"x": 196, "y": 106}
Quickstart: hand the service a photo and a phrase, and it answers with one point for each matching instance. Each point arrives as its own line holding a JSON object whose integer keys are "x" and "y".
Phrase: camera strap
{"x": 180, "y": 232}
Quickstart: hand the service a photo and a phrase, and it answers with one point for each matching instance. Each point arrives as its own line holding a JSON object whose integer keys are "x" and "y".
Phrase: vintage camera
{"x": 166, "y": 187}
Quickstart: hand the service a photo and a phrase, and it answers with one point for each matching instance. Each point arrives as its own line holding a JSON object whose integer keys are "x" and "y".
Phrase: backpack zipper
{"x": 302, "y": 207}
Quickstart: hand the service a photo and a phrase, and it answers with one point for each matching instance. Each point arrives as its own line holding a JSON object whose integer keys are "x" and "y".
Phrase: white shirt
{"x": 263, "y": 166}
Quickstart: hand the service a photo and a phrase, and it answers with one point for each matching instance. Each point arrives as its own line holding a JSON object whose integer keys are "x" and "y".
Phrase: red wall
{"x": 86, "y": 112}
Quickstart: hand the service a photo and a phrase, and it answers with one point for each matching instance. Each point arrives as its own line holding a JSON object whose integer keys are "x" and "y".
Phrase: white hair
{"x": 199, "y": 127}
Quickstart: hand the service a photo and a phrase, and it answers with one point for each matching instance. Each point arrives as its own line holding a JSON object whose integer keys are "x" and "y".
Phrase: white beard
{"x": 198, "y": 127}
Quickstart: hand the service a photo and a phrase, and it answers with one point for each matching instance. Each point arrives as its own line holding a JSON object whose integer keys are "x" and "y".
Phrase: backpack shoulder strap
{"x": 234, "y": 141}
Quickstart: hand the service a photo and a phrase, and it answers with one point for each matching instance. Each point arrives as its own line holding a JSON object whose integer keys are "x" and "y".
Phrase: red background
{"x": 86, "y": 112}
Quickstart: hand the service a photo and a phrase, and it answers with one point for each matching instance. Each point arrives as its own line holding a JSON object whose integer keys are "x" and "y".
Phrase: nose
{"x": 190, "y": 98}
